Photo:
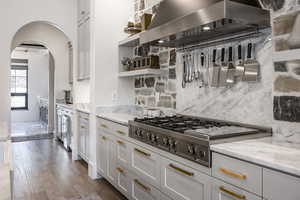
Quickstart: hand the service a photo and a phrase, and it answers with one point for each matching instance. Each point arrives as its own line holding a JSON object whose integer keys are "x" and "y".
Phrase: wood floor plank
{"x": 43, "y": 170}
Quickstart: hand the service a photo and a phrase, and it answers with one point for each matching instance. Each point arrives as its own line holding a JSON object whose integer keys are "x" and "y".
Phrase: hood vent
{"x": 178, "y": 23}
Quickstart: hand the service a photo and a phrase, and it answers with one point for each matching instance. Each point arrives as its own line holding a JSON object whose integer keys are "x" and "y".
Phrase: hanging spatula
{"x": 224, "y": 69}
{"x": 251, "y": 65}
{"x": 239, "y": 68}
{"x": 215, "y": 70}
{"x": 231, "y": 68}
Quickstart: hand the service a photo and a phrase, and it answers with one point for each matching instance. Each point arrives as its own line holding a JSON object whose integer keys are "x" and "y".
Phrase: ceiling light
{"x": 160, "y": 41}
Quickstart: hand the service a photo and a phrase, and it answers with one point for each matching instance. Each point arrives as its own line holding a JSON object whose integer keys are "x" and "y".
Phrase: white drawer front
{"x": 279, "y": 186}
{"x": 142, "y": 190}
{"x": 111, "y": 159}
{"x": 183, "y": 183}
{"x": 120, "y": 130}
{"x": 112, "y": 127}
{"x": 104, "y": 125}
{"x": 224, "y": 191}
{"x": 238, "y": 173}
{"x": 146, "y": 164}
{"x": 123, "y": 152}
{"x": 124, "y": 182}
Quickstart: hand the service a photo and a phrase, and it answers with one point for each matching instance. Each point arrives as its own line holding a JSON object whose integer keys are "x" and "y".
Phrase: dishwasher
{"x": 64, "y": 129}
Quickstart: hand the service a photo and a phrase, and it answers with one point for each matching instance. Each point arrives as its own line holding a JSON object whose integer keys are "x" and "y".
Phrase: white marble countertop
{"x": 5, "y": 182}
{"x": 120, "y": 118}
{"x": 268, "y": 152}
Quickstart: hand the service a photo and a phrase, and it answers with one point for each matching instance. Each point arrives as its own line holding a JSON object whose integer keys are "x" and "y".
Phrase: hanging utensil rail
{"x": 232, "y": 38}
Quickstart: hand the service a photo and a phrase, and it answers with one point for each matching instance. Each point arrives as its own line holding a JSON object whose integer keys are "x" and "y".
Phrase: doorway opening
{"x": 30, "y": 81}
{"x": 41, "y": 73}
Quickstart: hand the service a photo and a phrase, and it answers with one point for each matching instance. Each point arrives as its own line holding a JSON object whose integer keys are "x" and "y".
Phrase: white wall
{"x": 57, "y": 43}
{"x": 13, "y": 15}
{"x": 38, "y": 79}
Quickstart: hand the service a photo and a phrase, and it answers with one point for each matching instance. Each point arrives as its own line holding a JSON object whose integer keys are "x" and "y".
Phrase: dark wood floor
{"x": 43, "y": 170}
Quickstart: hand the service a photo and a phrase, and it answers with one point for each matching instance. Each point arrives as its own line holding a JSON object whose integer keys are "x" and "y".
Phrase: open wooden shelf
{"x": 131, "y": 41}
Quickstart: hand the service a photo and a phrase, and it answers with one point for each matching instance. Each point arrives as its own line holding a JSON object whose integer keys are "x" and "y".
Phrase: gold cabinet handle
{"x": 234, "y": 174}
{"x": 142, "y": 152}
{"x": 82, "y": 126}
{"x": 120, "y": 170}
{"x": 103, "y": 126}
{"x": 103, "y": 137}
{"x": 121, "y": 132}
{"x": 86, "y": 118}
{"x": 181, "y": 170}
{"x": 120, "y": 142}
{"x": 142, "y": 185}
{"x": 234, "y": 194}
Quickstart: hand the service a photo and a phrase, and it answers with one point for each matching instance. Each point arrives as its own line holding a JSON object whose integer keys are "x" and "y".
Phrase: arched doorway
{"x": 58, "y": 45}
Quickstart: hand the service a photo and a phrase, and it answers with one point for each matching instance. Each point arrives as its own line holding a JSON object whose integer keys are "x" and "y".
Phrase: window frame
{"x": 25, "y": 68}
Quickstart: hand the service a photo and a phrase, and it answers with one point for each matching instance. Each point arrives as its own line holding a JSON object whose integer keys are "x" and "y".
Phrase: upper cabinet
{"x": 83, "y": 71}
{"x": 83, "y": 9}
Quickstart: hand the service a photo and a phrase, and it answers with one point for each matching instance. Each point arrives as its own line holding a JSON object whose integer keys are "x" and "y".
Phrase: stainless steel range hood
{"x": 185, "y": 22}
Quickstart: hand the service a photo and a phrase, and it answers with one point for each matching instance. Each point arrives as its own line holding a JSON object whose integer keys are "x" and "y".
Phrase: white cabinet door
{"x": 111, "y": 158}
{"x": 83, "y": 9}
{"x": 87, "y": 142}
{"x": 84, "y": 50}
{"x": 82, "y": 141}
{"x": 184, "y": 183}
{"x": 146, "y": 164}
{"x": 123, "y": 152}
{"x": 224, "y": 191}
{"x": 2, "y": 153}
{"x": 124, "y": 181}
{"x": 279, "y": 186}
{"x": 142, "y": 190}
{"x": 101, "y": 154}
{"x": 80, "y": 51}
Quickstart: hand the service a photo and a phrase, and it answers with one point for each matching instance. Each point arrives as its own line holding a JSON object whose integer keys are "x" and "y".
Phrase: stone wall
{"x": 158, "y": 91}
{"x": 286, "y": 86}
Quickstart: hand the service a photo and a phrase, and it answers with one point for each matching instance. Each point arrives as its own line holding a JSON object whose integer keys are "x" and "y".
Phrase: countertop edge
{"x": 111, "y": 119}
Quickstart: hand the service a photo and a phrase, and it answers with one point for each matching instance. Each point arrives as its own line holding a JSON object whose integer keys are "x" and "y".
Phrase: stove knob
{"x": 137, "y": 132}
{"x": 153, "y": 138}
{"x": 148, "y": 135}
{"x": 165, "y": 141}
{"x": 202, "y": 154}
{"x": 191, "y": 149}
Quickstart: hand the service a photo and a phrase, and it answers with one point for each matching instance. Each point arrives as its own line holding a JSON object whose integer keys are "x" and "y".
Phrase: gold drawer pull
{"x": 103, "y": 137}
{"x": 142, "y": 185}
{"x": 142, "y": 152}
{"x": 181, "y": 170}
{"x": 121, "y": 132}
{"x": 234, "y": 194}
{"x": 231, "y": 173}
{"x": 120, "y": 170}
{"x": 103, "y": 126}
{"x": 82, "y": 126}
{"x": 120, "y": 142}
{"x": 86, "y": 118}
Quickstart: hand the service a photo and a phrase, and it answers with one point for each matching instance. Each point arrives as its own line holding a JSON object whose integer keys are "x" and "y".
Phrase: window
{"x": 19, "y": 86}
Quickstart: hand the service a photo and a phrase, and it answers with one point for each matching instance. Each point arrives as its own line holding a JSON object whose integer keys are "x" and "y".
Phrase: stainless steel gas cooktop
{"x": 191, "y": 137}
